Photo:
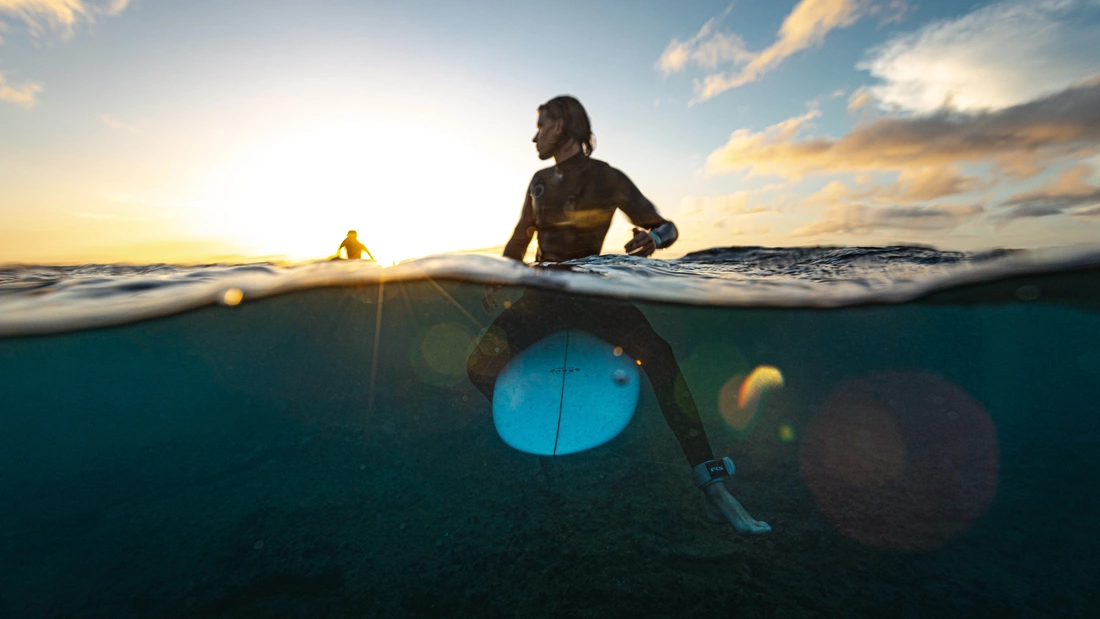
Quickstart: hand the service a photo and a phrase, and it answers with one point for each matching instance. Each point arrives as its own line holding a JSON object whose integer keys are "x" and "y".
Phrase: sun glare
{"x": 408, "y": 192}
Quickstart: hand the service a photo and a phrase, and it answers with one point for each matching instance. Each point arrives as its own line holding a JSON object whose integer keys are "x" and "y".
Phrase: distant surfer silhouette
{"x": 570, "y": 206}
{"x": 353, "y": 248}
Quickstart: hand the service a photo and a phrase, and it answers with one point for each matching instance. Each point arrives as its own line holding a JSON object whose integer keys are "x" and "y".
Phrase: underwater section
{"x": 324, "y": 452}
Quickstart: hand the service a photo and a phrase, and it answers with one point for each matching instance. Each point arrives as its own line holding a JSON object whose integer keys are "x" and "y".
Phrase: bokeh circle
{"x": 904, "y": 460}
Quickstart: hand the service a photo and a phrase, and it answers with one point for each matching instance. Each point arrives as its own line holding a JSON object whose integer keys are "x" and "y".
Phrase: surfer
{"x": 353, "y": 247}
{"x": 570, "y": 206}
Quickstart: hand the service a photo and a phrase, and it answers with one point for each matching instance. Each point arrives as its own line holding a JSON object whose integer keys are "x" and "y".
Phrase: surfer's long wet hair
{"x": 575, "y": 125}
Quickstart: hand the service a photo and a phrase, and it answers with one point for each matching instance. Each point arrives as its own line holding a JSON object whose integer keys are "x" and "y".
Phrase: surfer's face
{"x": 548, "y": 135}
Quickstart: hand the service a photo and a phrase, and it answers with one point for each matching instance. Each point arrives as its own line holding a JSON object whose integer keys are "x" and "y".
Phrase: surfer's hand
{"x": 488, "y": 297}
{"x": 722, "y": 507}
{"x": 642, "y": 244}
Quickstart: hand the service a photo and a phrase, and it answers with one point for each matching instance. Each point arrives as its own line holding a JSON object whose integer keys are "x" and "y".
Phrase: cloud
{"x": 816, "y": 102}
{"x": 42, "y": 15}
{"x": 861, "y": 219}
{"x": 764, "y": 199}
{"x": 707, "y": 49}
{"x": 1021, "y": 140}
{"x": 736, "y": 203}
{"x": 118, "y": 125}
{"x": 891, "y": 12}
{"x": 805, "y": 27}
{"x": 859, "y": 99}
{"x": 917, "y": 184}
{"x": 24, "y": 95}
{"x": 1068, "y": 191}
{"x": 995, "y": 57}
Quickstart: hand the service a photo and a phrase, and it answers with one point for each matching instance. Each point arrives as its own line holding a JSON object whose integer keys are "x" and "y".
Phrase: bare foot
{"x": 722, "y": 507}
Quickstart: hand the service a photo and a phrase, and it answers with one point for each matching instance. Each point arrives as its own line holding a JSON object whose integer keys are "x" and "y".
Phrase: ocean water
{"x": 920, "y": 428}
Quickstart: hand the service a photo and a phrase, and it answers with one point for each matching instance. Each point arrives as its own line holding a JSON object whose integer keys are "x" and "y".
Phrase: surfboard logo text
{"x": 564, "y": 370}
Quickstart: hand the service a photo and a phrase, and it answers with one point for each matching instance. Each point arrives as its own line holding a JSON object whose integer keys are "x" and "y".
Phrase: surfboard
{"x": 567, "y": 393}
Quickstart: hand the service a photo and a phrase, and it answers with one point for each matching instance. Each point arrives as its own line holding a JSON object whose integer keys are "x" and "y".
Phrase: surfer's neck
{"x": 572, "y": 149}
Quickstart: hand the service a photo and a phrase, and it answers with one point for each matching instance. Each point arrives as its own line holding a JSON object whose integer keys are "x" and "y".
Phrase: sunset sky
{"x": 213, "y": 130}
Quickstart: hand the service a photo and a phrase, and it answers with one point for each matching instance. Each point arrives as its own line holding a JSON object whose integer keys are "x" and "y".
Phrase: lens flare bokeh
{"x": 739, "y": 399}
{"x": 439, "y": 357}
{"x": 904, "y": 460}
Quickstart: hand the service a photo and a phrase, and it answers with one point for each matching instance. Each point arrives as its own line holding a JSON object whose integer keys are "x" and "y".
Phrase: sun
{"x": 407, "y": 191}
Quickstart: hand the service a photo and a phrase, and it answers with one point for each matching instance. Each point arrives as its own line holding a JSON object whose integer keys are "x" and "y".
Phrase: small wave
{"x": 48, "y": 299}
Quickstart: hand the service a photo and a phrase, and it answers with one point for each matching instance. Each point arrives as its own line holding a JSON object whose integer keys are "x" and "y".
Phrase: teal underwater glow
{"x": 323, "y": 453}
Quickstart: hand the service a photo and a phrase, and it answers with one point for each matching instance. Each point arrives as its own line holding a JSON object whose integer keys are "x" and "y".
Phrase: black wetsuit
{"x": 569, "y": 207}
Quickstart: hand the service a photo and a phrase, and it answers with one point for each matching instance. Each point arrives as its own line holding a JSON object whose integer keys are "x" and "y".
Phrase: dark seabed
{"x": 298, "y": 456}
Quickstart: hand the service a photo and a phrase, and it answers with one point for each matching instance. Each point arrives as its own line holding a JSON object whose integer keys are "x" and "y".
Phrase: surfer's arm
{"x": 369, "y": 255}
{"x": 524, "y": 231}
{"x": 657, "y": 232}
{"x": 343, "y": 245}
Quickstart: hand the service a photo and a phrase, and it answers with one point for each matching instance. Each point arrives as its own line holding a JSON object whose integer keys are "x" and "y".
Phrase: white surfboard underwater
{"x": 567, "y": 393}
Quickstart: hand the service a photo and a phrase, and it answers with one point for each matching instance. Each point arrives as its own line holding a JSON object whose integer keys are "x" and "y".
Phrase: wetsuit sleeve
{"x": 525, "y": 230}
{"x": 641, "y": 211}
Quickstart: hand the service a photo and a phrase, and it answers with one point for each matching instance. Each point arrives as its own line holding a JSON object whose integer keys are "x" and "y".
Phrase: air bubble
{"x": 1027, "y": 293}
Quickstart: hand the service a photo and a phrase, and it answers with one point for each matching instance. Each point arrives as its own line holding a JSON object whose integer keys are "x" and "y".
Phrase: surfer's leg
{"x": 673, "y": 394}
{"x": 534, "y": 316}
{"x": 622, "y": 324}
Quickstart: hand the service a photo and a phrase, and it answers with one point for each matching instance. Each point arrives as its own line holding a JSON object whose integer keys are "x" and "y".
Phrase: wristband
{"x": 712, "y": 471}
{"x": 656, "y": 239}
